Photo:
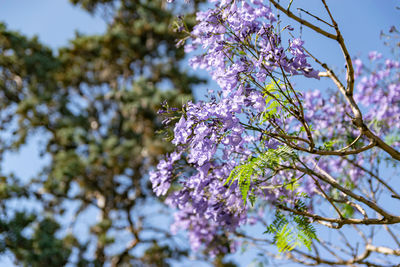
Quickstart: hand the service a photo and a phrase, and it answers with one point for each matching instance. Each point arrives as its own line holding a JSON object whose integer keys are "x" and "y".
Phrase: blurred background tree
{"x": 93, "y": 103}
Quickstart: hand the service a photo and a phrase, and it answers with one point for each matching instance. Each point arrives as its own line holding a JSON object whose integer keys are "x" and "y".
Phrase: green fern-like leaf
{"x": 256, "y": 167}
{"x": 245, "y": 181}
{"x": 289, "y": 234}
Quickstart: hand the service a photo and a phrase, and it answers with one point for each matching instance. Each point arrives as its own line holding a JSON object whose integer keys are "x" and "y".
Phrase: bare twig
{"x": 380, "y": 180}
{"x": 290, "y": 14}
{"x": 315, "y": 17}
{"x": 352, "y": 143}
{"x": 349, "y": 64}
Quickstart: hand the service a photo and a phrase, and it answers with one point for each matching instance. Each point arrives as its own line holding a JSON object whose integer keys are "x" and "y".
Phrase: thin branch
{"x": 383, "y": 250}
{"x": 358, "y": 207}
{"x": 336, "y": 152}
{"x": 392, "y": 235}
{"x": 346, "y": 54}
{"x": 327, "y": 197}
{"x": 388, "y": 218}
{"x": 327, "y": 248}
{"x": 395, "y": 194}
{"x": 290, "y": 14}
{"x": 337, "y": 223}
{"x": 348, "y": 94}
{"x": 315, "y": 17}
{"x": 352, "y": 143}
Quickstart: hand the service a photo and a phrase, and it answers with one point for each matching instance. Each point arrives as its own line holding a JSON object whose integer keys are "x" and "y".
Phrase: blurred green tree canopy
{"x": 93, "y": 103}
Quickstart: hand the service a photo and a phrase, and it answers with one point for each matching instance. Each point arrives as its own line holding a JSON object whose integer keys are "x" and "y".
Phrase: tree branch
{"x": 289, "y": 13}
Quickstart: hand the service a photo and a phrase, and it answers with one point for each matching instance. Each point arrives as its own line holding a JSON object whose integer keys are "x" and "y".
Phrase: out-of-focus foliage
{"x": 93, "y": 105}
{"x": 42, "y": 248}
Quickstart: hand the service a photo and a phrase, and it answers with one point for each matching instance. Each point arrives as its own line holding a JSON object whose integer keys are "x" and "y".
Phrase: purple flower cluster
{"x": 162, "y": 179}
{"x": 205, "y": 204}
{"x": 379, "y": 92}
{"x": 240, "y": 41}
{"x": 212, "y": 138}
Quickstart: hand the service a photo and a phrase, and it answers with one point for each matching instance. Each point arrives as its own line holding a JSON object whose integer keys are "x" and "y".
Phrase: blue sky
{"x": 55, "y": 22}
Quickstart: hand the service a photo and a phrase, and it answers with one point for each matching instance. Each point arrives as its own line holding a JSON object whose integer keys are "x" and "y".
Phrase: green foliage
{"x": 270, "y": 94}
{"x": 328, "y": 145}
{"x": 347, "y": 210}
{"x": 392, "y": 139}
{"x": 93, "y": 104}
{"x": 42, "y": 247}
{"x": 243, "y": 175}
{"x": 291, "y": 231}
{"x": 256, "y": 168}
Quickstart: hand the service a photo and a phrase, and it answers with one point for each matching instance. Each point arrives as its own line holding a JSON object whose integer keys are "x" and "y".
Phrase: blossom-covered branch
{"x": 260, "y": 140}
